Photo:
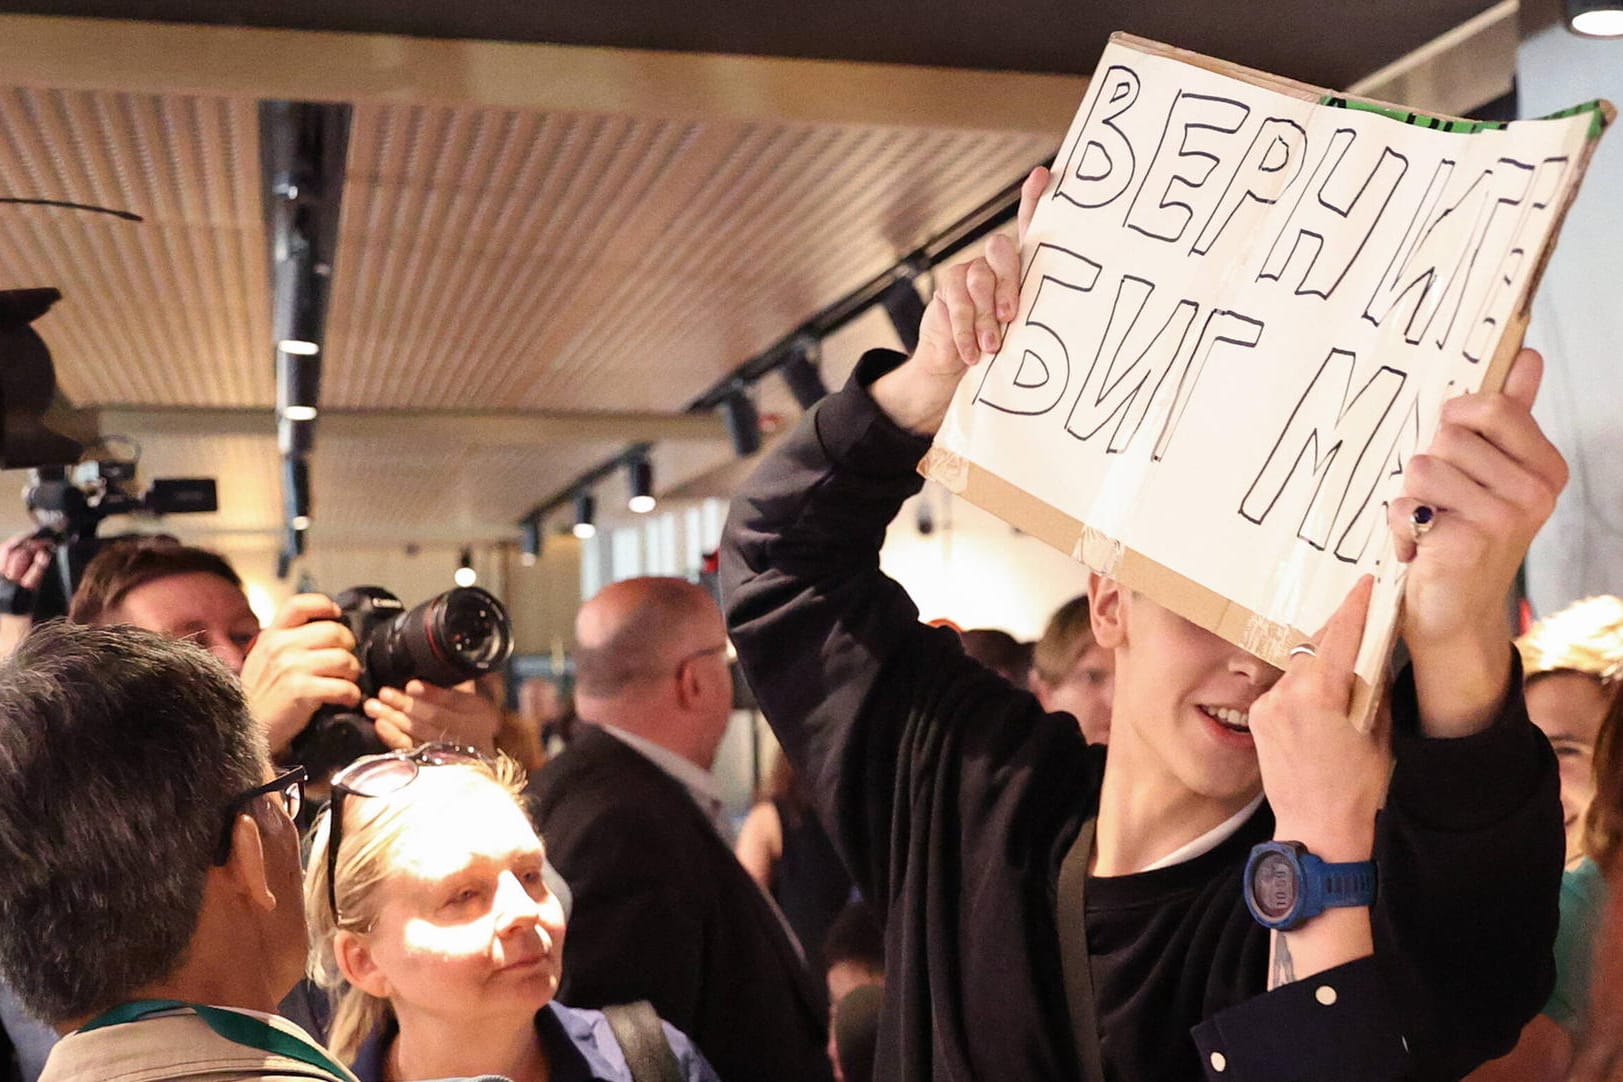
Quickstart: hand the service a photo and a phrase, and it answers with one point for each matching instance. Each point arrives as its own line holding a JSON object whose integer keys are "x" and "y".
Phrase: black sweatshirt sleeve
{"x": 878, "y": 712}
{"x": 1469, "y": 849}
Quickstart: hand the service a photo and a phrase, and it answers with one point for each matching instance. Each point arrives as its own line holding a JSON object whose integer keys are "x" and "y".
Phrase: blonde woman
{"x": 1572, "y": 663}
{"x": 438, "y": 937}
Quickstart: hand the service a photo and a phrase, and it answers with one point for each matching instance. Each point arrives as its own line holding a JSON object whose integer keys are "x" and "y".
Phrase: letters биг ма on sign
{"x": 1240, "y": 314}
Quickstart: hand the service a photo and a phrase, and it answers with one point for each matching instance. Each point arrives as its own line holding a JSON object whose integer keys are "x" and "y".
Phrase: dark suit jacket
{"x": 663, "y": 911}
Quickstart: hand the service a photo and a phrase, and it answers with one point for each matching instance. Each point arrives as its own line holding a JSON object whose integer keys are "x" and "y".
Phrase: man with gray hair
{"x": 150, "y": 908}
{"x": 663, "y": 910}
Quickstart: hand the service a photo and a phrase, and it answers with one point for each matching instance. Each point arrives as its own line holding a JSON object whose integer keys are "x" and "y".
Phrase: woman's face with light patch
{"x": 466, "y": 924}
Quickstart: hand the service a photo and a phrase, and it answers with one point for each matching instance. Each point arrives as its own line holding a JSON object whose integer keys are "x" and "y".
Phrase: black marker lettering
{"x": 1201, "y": 127}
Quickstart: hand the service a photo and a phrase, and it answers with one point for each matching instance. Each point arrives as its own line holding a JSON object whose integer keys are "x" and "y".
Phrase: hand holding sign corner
{"x": 972, "y": 303}
{"x": 1496, "y": 476}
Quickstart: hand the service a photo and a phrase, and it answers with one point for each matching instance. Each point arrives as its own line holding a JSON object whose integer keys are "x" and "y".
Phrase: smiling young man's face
{"x": 1182, "y": 701}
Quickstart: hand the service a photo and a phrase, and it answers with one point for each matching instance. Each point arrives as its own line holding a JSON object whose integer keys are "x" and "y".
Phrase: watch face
{"x": 1273, "y": 886}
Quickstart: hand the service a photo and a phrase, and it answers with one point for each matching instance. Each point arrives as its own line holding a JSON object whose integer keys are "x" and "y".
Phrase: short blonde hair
{"x": 1066, "y": 638}
{"x": 1585, "y": 637}
{"x": 373, "y": 830}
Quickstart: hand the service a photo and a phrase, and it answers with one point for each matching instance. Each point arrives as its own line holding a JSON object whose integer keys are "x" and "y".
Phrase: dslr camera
{"x": 459, "y": 635}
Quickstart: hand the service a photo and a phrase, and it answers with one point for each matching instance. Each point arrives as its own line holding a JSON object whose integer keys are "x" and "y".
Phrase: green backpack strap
{"x": 642, "y": 1039}
{"x": 1071, "y": 919}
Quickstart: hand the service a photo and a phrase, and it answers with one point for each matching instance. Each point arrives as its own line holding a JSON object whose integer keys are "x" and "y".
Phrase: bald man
{"x": 631, "y": 817}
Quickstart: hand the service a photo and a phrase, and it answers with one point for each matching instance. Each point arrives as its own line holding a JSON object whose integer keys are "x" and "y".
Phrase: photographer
{"x": 304, "y": 660}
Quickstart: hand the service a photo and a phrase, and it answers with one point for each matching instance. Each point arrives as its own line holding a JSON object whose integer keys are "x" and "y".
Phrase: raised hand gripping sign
{"x": 1243, "y": 303}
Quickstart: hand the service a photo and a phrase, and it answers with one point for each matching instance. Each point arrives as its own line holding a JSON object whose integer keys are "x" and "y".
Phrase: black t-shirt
{"x": 1142, "y": 931}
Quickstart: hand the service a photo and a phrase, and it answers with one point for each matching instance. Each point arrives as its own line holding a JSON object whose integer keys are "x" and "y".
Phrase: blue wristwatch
{"x": 1286, "y": 886}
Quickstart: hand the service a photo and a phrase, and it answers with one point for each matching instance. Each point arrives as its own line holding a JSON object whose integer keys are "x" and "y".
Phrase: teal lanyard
{"x": 233, "y": 1026}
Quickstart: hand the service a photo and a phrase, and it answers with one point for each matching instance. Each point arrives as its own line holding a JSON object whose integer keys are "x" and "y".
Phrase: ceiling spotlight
{"x": 300, "y": 413}
{"x": 640, "y": 480}
{"x": 743, "y": 422}
{"x": 529, "y": 541}
{"x": 585, "y": 511}
{"x": 299, "y": 347}
{"x": 465, "y": 574}
{"x": 1596, "y": 18}
{"x": 800, "y": 372}
{"x": 300, "y": 522}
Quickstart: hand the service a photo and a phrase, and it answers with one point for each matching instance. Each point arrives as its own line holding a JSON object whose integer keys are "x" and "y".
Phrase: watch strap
{"x": 1337, "y": 886}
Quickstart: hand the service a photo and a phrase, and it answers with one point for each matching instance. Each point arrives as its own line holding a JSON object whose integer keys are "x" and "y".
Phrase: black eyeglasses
{"x": 289, "y": 787}
{"x": 380, "y": 775}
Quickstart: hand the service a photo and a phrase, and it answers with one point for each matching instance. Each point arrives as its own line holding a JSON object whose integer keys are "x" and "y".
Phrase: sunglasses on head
{"x": 380, "y": 775}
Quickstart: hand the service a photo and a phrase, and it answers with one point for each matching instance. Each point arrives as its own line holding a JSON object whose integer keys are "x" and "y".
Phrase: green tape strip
{"x": 1597, "y": 117}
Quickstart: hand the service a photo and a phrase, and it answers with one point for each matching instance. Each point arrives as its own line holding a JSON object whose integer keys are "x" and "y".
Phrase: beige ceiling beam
{"x": 106, "y": 54}
{"x": 1455, "y": 72}
{"x": 390, "y": 535}
{"x": 506, "y": 429}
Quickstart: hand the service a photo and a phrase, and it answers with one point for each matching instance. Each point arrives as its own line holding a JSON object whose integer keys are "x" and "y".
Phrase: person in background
{"x": 517, "y": 735}
{"x": 1573, "y": 661}
{"x": 999, "y": 651}
{"x": 634, "y": 821}
{"x": 545, "y": 706}
{"x": 786, "y": 851}
{"x": 150, "y": 908}
{"x": 304, "y": 660}
{"x": 440, "y": 938}
{"x": 854, "y": 952}
{"x": 1071, "y": 672}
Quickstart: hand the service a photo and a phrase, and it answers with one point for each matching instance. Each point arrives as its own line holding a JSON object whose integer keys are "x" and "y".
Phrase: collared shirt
{"x": 699, "y": 782}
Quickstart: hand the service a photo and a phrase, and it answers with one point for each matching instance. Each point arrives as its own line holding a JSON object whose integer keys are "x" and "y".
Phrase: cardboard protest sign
{"x": 1243, "y": 304}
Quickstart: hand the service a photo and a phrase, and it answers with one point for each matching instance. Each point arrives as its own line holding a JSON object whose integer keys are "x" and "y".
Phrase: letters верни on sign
{"x": 1243, "y": 304}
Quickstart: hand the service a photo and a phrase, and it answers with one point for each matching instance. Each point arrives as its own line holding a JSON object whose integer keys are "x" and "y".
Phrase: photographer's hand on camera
{"x": 304, "y": 660}
{"x": 423, "y": 713}
{"x": 24, "y": 560}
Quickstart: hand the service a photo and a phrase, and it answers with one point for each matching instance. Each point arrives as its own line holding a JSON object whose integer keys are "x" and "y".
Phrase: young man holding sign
{"x": 956, "y": 801}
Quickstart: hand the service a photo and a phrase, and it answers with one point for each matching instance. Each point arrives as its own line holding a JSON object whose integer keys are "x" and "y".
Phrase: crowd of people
{"x": 1129, "y": 850}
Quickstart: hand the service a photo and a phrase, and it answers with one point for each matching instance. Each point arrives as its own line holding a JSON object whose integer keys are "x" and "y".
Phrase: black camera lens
{"x": 461, "y": 634}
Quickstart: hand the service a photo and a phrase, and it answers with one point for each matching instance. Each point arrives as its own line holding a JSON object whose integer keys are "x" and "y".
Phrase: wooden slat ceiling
{"x": 613, "y": 238}
{"x": 501, "y": 259}
{"x": 172, "y": 309}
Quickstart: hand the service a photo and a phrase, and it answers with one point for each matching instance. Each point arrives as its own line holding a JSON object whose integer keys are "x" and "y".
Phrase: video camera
{"x": 458, "y": 635}
{"x": 70, "y": 501}
{"x": 67, "y": 497}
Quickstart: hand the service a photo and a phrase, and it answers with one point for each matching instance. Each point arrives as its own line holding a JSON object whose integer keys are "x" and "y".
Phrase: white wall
{"x": 975, "y": 570}
{"x": 1578, "y": 324}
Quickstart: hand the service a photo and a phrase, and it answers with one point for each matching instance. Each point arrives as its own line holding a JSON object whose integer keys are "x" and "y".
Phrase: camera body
{"x": 69, "y": 501}
{"x": 455, "y": 636}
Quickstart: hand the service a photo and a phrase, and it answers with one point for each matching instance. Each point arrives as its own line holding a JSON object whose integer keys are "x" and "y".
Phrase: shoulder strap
{"x": 642, "y": 1038}
{"x": 1073, "y": 953}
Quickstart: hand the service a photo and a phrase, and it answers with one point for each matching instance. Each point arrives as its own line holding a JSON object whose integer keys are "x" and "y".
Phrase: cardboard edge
{"x": 1306, "y": 91}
